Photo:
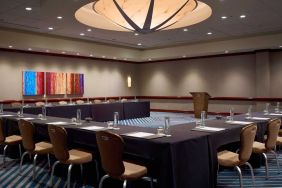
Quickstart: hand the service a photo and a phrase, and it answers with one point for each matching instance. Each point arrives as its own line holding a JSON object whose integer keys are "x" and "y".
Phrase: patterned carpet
{"x": 9, "y": 177}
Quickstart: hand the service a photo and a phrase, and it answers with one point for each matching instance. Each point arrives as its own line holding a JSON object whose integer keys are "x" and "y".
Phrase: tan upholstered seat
{"x": 41, "y": 148}
{"x": 58, "y": 137}
{"x": 8, "y": 141}
{"x": 97, "y": 101}
{"x": 279, "y": 140}
{"x": 111, "y": 148}
{"x": 123, "y": 100}
{"x": 79, "y": 102}
{"x": 16, "y": 104}
{"x": 270, "y": 143}
{"x": 231, "y": 159}
{"x": 39, "y": 104}
{"x": 63, "y": 102}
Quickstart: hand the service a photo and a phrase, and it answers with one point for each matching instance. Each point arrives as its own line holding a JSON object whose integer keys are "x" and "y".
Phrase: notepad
{"x": 58, "y": 123}
{"x": 140, "y": 134}
{"x": 6, "y": 115}
{"x": 94, "y": 128}
{"x": 26, "y": 118}
{"x": 209, "y": 129}
{"x": 275, "y": 114}
{"x": 239, "y": 122}
{"x": 257, "y": 118}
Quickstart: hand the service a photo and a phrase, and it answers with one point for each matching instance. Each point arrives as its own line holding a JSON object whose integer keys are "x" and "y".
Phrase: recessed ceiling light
{"x": 185, "y": 30}
{"x": 223, "y": 17}
{"x": 243, "y": 16}
{"x": 209, "y": 33}
{"x": 28, "y": 8}
{"x": 50, "y": 28}
{"x": 10, "y": 46}
{"x": 81, "y": 34}
{"x": 89, "y": 30}
{"x": 136, "y": 34}
{"x": 139, "y": 44}
{"x": 63, "y": 52}
{"x": 91, "y": 55}
{"x": 29, "y": 49}
{"x": 59, "y": 17}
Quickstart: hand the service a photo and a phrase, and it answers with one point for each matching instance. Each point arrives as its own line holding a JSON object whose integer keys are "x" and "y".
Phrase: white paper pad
{"x": 26, "y": 118}
{"x": 210, "y": 128}
{"x": 140, "y": 134}
{"x": 93, "y": 128}
{"x": 58, "y": 123}
{"x": 258, "y": 118}
{"x": 274, "y": 114}
{"x": 6, "y": 115}
{"x": 239, "y": 122}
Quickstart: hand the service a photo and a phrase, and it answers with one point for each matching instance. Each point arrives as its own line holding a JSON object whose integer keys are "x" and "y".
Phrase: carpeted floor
{"x": 9, "y": 177}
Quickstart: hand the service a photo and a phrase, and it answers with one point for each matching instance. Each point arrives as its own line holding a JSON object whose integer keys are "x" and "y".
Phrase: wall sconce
{"x": 128, "y": 81}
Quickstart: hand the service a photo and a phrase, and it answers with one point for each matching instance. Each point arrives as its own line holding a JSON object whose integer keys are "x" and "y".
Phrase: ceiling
{"x": 262, "y": 17}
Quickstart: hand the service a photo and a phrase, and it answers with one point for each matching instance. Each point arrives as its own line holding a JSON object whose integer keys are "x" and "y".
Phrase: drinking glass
{"x": 203, "y": 118}
{"x": 166, "y": 125}
{"x": 116, "y": 119}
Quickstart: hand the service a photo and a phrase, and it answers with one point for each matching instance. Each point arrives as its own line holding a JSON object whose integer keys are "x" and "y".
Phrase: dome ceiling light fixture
{"x": 142, "y": 16}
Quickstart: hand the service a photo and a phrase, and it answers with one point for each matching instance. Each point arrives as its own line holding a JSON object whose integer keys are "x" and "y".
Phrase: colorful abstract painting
{"x": 75, "y": 84}
{"x": 33, "y": 83}
{"x": 55, "y": 83}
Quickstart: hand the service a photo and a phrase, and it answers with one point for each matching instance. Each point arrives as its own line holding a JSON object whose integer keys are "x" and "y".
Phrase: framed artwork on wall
{"x": 55, "y": 83}
{"x": 33, "y": 83}
{"x": 75, "y": 84}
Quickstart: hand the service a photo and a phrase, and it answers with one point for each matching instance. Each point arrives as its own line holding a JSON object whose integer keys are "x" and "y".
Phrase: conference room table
{"x": 100, "y": 112}
{"x": 186, "y": 159}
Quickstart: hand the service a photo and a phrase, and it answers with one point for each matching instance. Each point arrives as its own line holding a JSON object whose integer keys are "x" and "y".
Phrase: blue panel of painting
{"x": 29, "y": 83}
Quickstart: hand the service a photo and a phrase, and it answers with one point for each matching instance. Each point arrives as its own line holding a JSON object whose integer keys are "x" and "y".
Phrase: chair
{"x": 270, "y": 143}
{"x": 111, "y": 148}
{"x": 79, "y": 102}
{"x": 123, "y": 100}
{"x": 39, "y": 104}
{"x": 235, "y": 160}
{"x": 63, "y": 102}
{"x": 111, "y": 100}
{"x": 16, "y": 104}
{"x": 8, "y": 141}
{"x": 96, "y": 101}
{"x": 32, "y": 148}
{"x": 58, "y": 137}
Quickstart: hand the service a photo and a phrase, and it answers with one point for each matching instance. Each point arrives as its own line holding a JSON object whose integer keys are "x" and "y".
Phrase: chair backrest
{"x": 247, "y": 138}
{"x": 79, "y": 102}
{"x": 16, "y": 104}
{"x": 111, "y": 148}
{"x": 97, "y": 101}
{"x": 59, "y": 140}
{"x": 2, "y": 135}
{"x": 39, "y": 104}
{"x": 27, "y": 131}
{"x": 272, "y": 133}
{"x": 111, "y": 100}
{"x": 63, "y": 102}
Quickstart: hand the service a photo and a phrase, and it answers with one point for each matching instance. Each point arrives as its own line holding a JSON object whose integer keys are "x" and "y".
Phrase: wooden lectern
{"x": 201, "y": 101}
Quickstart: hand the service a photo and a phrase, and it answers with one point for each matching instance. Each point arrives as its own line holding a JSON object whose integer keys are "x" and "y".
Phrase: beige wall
{"x": 276, "y": 74}
{"x": 249, "y": 75}
{"x": 219, "y": 76}
{"x": 102, "y": 78}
